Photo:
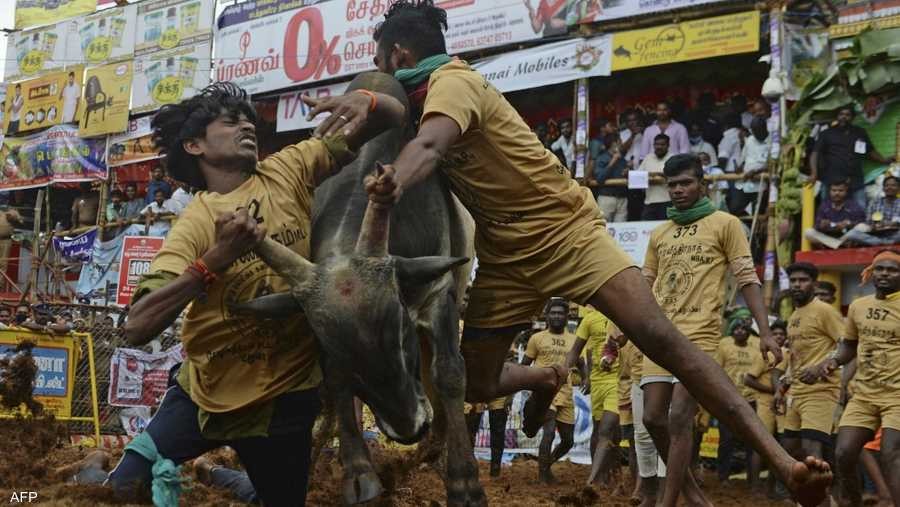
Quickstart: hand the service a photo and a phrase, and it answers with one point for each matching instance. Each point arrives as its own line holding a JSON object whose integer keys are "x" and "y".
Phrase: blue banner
{"x": 53, "y": 369}
{"x": 77, "y": 249}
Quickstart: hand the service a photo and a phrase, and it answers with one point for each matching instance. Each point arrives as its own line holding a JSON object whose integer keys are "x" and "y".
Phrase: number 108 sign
{"x": 137, "y": 252}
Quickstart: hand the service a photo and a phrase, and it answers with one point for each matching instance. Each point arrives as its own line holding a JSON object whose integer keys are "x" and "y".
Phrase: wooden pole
{"x": 36, "y": 245}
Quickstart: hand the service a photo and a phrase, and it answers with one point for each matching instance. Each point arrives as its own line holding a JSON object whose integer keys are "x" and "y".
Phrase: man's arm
{"x": 753, "y": 383}
{"x": 846, "y": 352}
{"x": 352, "y": 115}
{"x": 767, "y": 344}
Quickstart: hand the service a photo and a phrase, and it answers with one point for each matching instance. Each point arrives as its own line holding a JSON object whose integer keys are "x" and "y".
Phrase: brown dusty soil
{"x": 17, "y": 379}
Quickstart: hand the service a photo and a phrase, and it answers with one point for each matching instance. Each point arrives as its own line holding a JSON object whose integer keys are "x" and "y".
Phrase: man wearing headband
{"x": 873, "y": 335}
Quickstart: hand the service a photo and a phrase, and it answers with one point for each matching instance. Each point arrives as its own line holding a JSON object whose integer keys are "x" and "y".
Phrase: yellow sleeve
{"x": 651, "y": 261}
{"x": 850, "y": 330}
{"x": 190, "y": 237}
{"x": 832, "y": 323}
{"x": 584, "y": 329}
{"x": 531, "y": 351}
{"x": 303, "y": 166}
{"x": 458, "y": 95}
{"x": 721, "y": 355}
{"x": 734, "y": 242}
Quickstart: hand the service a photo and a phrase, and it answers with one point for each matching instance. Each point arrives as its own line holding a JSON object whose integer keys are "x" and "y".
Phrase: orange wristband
{"x": 202, "y": 270}
{"x": 373, "y": 103}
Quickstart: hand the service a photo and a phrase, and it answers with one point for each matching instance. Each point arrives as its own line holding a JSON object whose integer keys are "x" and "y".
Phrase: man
{"x": 839, "y": 154}
{"x": 115, "y": 214}
{"x": 15, "y": 110}
{"x": 665, "y": 124}
{"x": 871, "y": 333}
{"x": 546, "y": 349}
{"x": 608, "y": 164}
{"x": 762, "y": 379}
{"x": 698, "y": 144}
{"x": 629, "y": 355}
{"x": 754, "y": 162}
{"x": 813, "y": 329}
{"x": 157, "y": 183}
{"x": 730, "y": 146}
{"x": 537, "y": 233}
{"x": 735, "y": 355}
{"x": 837, "y": 215}
{"x": 882, "y": 217}
{"x": 5, "y": 315}
{"x": 133, "y": 203}
{"x": 161, "y": 205}
{"x": 246, "y": 382}
{"x": 85, "y": 207}
{"x": 825, "y": 291}
{"x": 632, "y": 138}
{"x": 564, "y": 146}
{"x": 70, "y": 95}
{"x": 685, "y": 264}
{"x": 603, "y": 382}
{"x": 656, "y": 199}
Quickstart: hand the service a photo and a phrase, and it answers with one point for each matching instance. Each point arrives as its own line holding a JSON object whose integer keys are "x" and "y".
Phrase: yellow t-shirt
{"x": 689, "y": 263}
{"x": 522, "y": 198}
{"x": 761, "y": 370}
{"x": 233, "y": 360}
{"x": 593, "y": 330}
{"x": 876, "y": 324}
{"x": 813, "y": 332}
{"x": 548, "y": 349}
{"x": 736, "y": 361}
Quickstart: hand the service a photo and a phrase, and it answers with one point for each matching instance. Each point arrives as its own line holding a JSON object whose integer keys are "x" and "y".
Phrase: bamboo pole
{"x": 622, "y": 182}
{"x": 36, "y": 245}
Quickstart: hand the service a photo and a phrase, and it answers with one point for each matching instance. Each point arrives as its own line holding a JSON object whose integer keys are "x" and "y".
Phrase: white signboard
{"x": 272, "y": 44}
{"x": 292, "y": 110}
{"x": 167, "y": 77}
{"x": 107, "y": 35}
{"x": 548, "y": 64}
{"x": 34, "y": 52}
{"x": 633, "y": 237}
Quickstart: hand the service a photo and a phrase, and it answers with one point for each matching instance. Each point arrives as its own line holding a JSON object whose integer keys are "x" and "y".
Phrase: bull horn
{"x": 285, "y": 261}
{"x": 373, "y": 235}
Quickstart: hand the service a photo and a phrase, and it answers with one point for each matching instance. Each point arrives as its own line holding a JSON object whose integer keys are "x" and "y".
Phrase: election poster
{"x": 42, "y": 102}
{"x": 138, "y": 378}
{"x": 133, "y": 145}
{"x": 107, "y": 35}
{"x": 107, "y": 94}
{"x": 55, "y": 357}
{"x": 78, "y": 248}
{"x": 167, "y": 77}
{"x": 137, "y": 252}
{"x": 166, "y": 24}
{"x": 34, "y": 52}
{"x": 55, "y": 155}
{"x": 41, "y": 12}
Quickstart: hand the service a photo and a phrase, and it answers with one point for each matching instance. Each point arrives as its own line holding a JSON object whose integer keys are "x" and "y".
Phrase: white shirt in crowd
{"x": 754, "y": 156}
{"x": 704, "y": 147}
{"x": 567, "y": 147}
{"x": 656, "y": 192}
{"x": 168, "y": 206}
{"x": 180, "y": 199}
{"x": 730, "y": 148}
{"x": 71, "y": 93}
{"x": 633, "y": 157}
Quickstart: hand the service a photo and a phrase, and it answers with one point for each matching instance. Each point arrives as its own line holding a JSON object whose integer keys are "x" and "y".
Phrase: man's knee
{"x": 846, "y": 457}
{"x": 656, "y": 424}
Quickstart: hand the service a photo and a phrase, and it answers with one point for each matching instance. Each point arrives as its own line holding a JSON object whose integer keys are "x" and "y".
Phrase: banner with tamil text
{"x": 34, "y": 52}
{"x": 55, "y": 357}
{"x": 78, "y": 248}
{"x": 41, "y": 12}
{"x": 55, "y": 155}
{"x": 691, "y": 40}
{"x": 138, "y": 378}
{"x": 592, "y": 11}
{"x": 133, "y": 145}
{"x": 137, "y": 252}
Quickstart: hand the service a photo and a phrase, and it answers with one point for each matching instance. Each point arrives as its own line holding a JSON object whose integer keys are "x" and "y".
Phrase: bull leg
{"x": 360, "y": 482}
{"x": 448, "y": 373}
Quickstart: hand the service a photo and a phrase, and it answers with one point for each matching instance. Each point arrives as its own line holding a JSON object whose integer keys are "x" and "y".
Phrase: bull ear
{"x": 285, "y": 261}
{"x": 422, "y": 270}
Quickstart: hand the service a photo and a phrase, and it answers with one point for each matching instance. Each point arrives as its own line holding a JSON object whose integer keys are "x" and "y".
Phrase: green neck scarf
{"x": 422, "y": 70}
{"x": 700, "y": 209}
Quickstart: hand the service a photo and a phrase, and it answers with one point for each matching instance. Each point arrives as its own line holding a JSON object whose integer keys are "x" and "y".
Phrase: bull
{"x": 380, "y": 295}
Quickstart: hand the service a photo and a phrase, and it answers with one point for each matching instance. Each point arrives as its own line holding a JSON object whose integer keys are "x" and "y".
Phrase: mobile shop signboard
{"x": 137, "y": 253}
{"x": 268, "y": 45}
{"x": 55, "y": 357}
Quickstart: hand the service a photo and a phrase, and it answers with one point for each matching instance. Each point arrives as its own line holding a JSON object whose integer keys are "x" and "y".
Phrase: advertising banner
{"x": 35, "y": 52}
{"x": 55, "y": 155}
{"x": 2, "y": 110}
{"x": 78, "y": 248}
{"x": 691, "y": 40}
{"x": 55, "y": 357}
{"x": 166, "y": 77}
{"x": 267, "y": 45}
{"x": 166, "y": 24}
{"x": 138, "y": 378}
{"x": 292, "y": 110}
{"x": 99, "y": 277}
{"x": 633, "y": 237}
{"x": 592, "y": 11}
{"x": 133, "y": 145}
{"x": 107, "y": 92}
{"x": 41, "y": 12}
{"x": 107, "y": 35}
{"x": 548, "y": 64}
{"x": 44, "y": 101}
{"x": 137, "y": 252}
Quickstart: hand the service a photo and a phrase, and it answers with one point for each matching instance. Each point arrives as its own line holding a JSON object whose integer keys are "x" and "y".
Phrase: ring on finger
{"x": 343, "y": 118}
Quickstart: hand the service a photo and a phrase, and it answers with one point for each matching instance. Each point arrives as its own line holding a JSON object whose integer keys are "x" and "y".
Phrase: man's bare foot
{"x": 535, "y": 410}
{"x": 808, "y": 481}
{"x": 693, "y": 495}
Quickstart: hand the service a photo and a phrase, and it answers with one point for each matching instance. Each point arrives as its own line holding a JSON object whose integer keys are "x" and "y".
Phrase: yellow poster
{"x": 691, "y": 40}
{"x": 107, "y": 90}
{"x": 44, "y": 12}
{"x": 43, "y": 101}
{"x": 55, "y": 357}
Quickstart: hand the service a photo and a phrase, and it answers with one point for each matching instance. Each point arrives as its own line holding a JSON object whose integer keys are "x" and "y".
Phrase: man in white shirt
{"x": 70, "y": 95}
{"x": 632, "y": 138}
{"x": 753, "y": 162}
{"x": 698, "y": 144}
{"x": 657, "y": 198}
{"x": 730, "y": 146}
{"x": 160, "y": 206}
{"x": 665, "y": 124}
{"x": 565, "y": 144}
{"x": 179, "y": 200}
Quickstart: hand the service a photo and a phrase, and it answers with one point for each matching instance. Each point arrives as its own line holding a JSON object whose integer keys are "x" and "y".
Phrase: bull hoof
{"x": 469, "y": 495}
{"x": 361, "y": 488}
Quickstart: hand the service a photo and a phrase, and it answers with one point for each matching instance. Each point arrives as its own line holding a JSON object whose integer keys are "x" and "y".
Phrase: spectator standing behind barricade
{"x": 160, "y": 206}
{"x": 609, "y": 164}
{"x": 839, "y": 154}
{"x": 735, "y": 355}
{"x": 157, "y": 182}
{"x": 754, "y": 161}
{"x": 656, "y": 199}
{"x": 716, "y": 190}
{"x": 133, "y": 203}
{"x": 181, "y": 197}
{"x": 698, "y": 144}
{"x": 85, "y": 207}
{"x": 664, "y": 124}
{"x": 116, "y": 214}
{"x": 564, "y": 146}
{"x": 729, "y": 151}
{"x": 836, "y": 215}
{"x": 883, "y": 218}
